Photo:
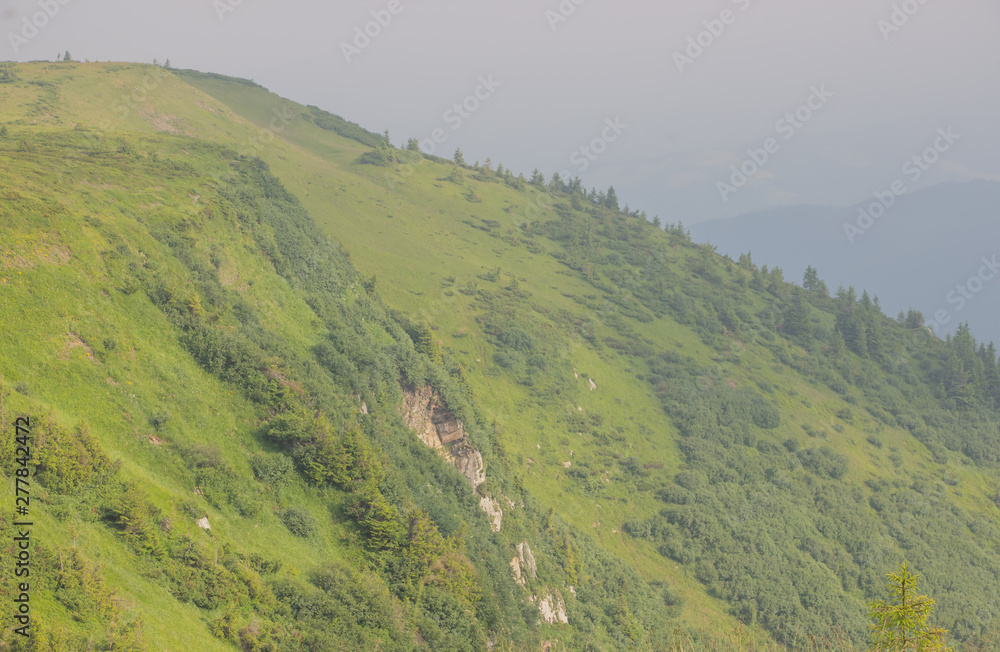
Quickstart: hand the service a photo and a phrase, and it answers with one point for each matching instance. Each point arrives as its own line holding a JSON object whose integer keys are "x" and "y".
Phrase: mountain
{"x": 287, "y": 387}
{"x": 926, "y": 251}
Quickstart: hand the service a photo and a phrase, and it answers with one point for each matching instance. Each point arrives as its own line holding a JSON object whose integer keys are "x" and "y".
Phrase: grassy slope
{"x": 59, "y": 290}
{"x": 410, "y": 230}
{"x": 413, "y": 237}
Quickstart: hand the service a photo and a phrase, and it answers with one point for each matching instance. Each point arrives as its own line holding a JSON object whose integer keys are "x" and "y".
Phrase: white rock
{"x": 492, "y": 509}
{"x": 527, "y": 559}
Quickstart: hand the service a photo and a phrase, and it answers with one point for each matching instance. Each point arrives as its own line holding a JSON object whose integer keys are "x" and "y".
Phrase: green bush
{"x": 299, "y": 522}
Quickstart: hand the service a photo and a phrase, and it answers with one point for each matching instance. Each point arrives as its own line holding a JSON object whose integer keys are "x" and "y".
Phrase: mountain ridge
{"x": 676, "y": 438}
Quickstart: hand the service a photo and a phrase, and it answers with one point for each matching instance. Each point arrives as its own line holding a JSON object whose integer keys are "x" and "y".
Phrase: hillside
{"x": 919, "y": 254}
{"x": 432, "y": 406}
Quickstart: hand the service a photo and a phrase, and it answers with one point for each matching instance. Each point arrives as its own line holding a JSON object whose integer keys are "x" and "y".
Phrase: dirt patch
{"x": 228, "y": 276}
{"x": 43, "y": 248}
{"x": 206, "y": 107}
{"x": 154, "y": 440}
{"x": 162, "y": 121}
{"x": 74, "y": 341}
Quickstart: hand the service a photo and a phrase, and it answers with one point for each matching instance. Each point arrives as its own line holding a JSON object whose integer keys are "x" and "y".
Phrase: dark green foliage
{"x": 273, "y": 470}
{"x": 342, "y": 127}
{"x": 299, "y": 522}
{"x": 8, "y": 74}
{"x": 824, "y": 461}
{"x": 70, "y": 461}
{"x": 775, "y": 530}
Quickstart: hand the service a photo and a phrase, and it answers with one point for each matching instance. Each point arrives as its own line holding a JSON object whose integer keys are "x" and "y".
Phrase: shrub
{"x": 159, "y": 420}
{"x": 824, "y": 461}
{"x": 272, "y": 469}
{"x": 299, "y": 522}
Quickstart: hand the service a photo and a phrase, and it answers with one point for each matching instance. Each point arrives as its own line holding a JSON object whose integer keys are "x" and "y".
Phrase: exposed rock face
{"x": 527, "y": 559}
{"x": 426, "y": 414}
{"x": 515, "y": 569}
{"x": 418, "y": 414}
{"x": 553, "y": 610}
{"x": 492, "y": 509}
{"x": 203, "y": 523}
{"x": 593, "y": 385}
{"x": 469, "y": 462}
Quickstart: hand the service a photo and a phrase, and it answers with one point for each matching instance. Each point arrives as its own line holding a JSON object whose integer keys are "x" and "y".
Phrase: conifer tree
{"x": 901, "y": 622}
{"x": 611, "y": 199}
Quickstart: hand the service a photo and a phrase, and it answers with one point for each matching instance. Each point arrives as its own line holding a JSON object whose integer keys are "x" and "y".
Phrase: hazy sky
{"x": 561, "y": 69}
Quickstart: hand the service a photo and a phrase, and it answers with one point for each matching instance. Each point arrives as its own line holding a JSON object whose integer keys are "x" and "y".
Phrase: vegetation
{"x": 901, "y": 623}
{"x": 215, "y": 335}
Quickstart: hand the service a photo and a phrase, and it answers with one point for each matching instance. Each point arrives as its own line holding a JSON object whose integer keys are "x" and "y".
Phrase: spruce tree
{"x": 810, "y": 281}
{"x": 901, "y": 622}
{"x": 796, "y": 321}
{"x": 611, "y": 199}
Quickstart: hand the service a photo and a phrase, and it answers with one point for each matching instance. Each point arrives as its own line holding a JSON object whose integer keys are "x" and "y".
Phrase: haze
{"x": 558, "y": 82}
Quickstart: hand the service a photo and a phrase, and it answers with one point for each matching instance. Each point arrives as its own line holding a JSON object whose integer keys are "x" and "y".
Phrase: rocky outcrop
{"x": 426, "y": 414}
{"x": 492, "y": 509}
{"x": 527, "y": 559}
{"x": 553, "y": 609}
{"x": 515, "y": 569}
{"x": 469, "y": 462}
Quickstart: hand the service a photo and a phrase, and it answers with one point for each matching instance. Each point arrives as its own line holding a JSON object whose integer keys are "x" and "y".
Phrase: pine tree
{"x": 810, "y": 281}
{"x": 611, "y": 199}
{"x": 459, "y": 158}
{"x": 837, "y": 344}
{"x": 914, "y": 319}
{"x": 901, "y": 623}
{"x": 796, "y": 322}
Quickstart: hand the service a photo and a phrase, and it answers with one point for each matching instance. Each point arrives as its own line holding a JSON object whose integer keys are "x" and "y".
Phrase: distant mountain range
{"x": 934, "y": 250}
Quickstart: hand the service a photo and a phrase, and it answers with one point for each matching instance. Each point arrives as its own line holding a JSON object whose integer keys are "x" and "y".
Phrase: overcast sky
{"x": 561, "y": 70}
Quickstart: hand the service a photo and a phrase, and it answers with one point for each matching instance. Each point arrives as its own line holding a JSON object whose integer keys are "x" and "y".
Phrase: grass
{"x": 413, "y": 235}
